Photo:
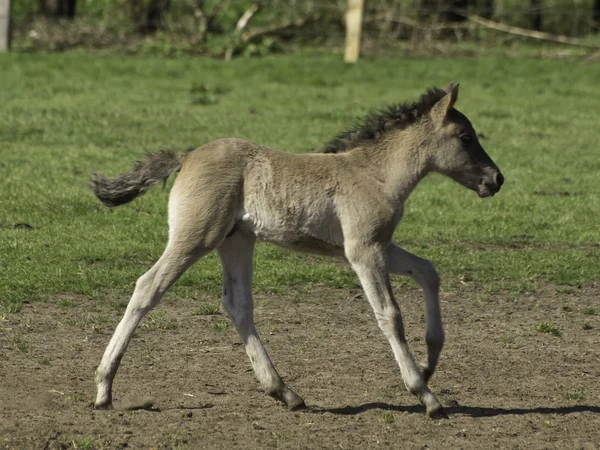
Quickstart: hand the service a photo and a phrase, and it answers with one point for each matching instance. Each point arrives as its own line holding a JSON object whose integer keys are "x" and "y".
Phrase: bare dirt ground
{"x": 506, "y": 384}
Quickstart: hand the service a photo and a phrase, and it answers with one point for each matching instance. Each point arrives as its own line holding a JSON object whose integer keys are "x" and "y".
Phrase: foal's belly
{"x": 323, "y": 237}
{"x": 310, "y": 244}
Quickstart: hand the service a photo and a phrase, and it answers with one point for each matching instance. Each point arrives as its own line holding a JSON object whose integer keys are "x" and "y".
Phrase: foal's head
{"x": 455, "y": 150}
{"x": 444, "y": 136}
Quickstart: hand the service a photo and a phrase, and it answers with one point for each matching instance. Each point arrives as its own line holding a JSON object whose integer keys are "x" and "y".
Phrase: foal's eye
{"x": 465, "y": 138}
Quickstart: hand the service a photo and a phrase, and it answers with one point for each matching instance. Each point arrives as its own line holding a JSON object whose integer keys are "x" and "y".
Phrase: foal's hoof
{"x": 297, "y": 404}
{"x": 293, "y": 401}
{"x": 437, "y": 413}
{"x": 105, "y": 405}
{"x": 288, "y": 397}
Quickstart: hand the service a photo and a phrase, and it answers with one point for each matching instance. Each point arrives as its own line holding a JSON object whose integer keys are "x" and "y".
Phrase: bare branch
{"x": 433, "y": 26}
{"x": 243, "y": 21}
{"x": 276, "y": 29}
{"x": 241, "y": 24}
{"x": 523, "y": 32}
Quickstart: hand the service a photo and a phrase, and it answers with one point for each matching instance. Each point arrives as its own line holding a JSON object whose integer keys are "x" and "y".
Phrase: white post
{"x": 354, "y": 13}
{"x": 4, "y": 25}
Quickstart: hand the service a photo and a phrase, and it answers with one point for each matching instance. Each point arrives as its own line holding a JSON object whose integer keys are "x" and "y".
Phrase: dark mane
{"x": 379, "y": 122}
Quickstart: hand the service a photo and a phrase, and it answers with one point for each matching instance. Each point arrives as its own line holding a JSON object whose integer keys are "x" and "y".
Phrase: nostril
{"x": 499, "y": 179}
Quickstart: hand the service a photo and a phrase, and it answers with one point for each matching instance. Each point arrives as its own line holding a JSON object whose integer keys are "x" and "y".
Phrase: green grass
{"x": 550, "y": 328}
{"x": 509, "y": 341}
{"x": 76, "y": 397}
{"x": 207, "y": 310}
{"x": 157, "y": 320}
{"x": 387, "y": 417}
{"x": 64, "y": 115}
{"x": 21, "y": 344}
{"x": 84, "y": 443}
{"x": 221, "y": 325}
{"x": 576, "y": 395}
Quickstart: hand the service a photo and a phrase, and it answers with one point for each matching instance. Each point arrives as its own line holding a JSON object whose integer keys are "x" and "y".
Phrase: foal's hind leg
{"x": 423, "y": 272}
{"x": 149, "y": 289}
{"x": 370, "y": 264}
{"x": 236, "y": 259}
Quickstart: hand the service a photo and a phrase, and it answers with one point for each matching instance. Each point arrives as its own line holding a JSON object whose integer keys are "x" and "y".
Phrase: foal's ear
{"x": 451, "y": 87}
{"x": 445, "y": 104}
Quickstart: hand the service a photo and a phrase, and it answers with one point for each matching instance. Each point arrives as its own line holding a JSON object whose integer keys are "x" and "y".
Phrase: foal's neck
{"x": 399, "y": 161}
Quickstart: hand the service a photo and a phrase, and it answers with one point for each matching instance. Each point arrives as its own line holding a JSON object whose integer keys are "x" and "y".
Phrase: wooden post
{"x": 354, "y": 13}
{"x": 4, "y": 25}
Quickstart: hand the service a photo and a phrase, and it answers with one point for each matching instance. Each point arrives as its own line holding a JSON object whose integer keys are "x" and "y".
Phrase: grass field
{"x": 519, "y": 272}
{"x": 67, "y": 114}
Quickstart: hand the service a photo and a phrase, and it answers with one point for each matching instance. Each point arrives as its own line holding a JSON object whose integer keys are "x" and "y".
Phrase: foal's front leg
{"x": 423, "y": 272}
{"x": 370, "y": 264}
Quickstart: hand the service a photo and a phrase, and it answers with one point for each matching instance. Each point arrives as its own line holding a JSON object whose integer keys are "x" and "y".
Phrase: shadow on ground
{"x": 472, "y": 411}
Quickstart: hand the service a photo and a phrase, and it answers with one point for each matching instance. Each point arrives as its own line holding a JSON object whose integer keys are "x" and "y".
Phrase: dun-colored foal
{"x": 345, "y": 202}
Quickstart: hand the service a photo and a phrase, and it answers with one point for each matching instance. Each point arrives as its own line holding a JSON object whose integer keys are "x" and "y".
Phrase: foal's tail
{"x": 154, "y": 168}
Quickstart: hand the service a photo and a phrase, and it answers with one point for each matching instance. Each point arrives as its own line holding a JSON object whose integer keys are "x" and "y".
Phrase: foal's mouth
{"x": 486, "y": 189}
{"x": 484, "y": 192}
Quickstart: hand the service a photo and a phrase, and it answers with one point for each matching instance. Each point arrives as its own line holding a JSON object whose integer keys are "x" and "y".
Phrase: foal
{"x": 346, "y": 202}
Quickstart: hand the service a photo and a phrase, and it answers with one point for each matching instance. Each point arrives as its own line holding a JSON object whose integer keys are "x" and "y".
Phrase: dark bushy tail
{"x": 156, "y": 167}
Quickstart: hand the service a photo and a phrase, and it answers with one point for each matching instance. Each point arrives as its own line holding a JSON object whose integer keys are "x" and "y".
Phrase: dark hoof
{"x": 297, "y": 405}
{"x": 292, "y": 400}
{"x": 438, "y": 414}
{"x": 289, "y": 398}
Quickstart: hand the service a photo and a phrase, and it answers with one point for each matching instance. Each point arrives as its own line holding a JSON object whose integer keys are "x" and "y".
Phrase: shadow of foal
{"x": 473, "y": 411}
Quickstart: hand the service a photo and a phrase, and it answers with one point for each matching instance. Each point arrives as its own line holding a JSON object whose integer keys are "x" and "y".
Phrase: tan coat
{"x": 345, "y": 202}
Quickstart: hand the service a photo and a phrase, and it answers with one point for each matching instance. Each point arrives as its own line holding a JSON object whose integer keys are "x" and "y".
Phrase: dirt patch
{"x": 507, "y": 380}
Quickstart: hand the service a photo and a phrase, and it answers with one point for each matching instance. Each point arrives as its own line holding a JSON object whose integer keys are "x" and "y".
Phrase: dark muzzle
{"x": 491, "y": 184}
